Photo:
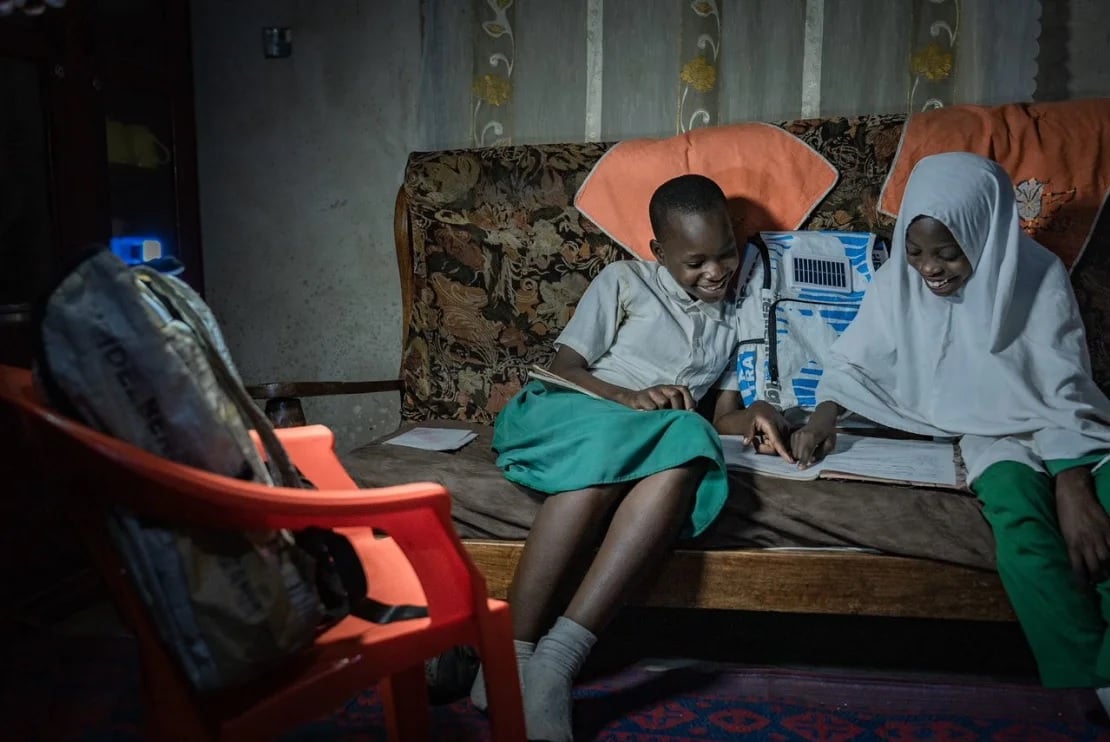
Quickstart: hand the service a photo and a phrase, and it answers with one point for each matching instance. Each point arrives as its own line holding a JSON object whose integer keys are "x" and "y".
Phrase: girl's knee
{"x": 609, "y": 492}
{"x": 1015, "y": 496}
{"x": 669, "y": 489}
{"x": 690, "y": 471}
{"x": 599, "y": 498}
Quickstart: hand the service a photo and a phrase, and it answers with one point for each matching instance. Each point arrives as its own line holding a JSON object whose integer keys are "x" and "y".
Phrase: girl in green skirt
{"x": 629, "y": 464}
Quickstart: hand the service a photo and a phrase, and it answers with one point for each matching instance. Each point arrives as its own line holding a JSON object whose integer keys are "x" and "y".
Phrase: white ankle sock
{"x": 524, "y": 652}
{"x": 549, "y": 678}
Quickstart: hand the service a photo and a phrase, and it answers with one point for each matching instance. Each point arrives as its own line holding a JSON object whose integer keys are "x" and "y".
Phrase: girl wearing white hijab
{"x": 971, "y": 329}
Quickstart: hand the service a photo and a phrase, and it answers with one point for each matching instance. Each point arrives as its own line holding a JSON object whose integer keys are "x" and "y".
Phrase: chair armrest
{"x": 417, "y": 516}
{"x": 293, "y": 389}
{"x": 103, "y": 470}
{"x": 441, "y": 566}
{"x": 312, "y": 450}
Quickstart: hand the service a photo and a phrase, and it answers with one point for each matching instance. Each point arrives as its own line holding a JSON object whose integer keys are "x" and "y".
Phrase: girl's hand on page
{"x": 1084, "y": 524}
{"x": 661, "y": 397}
{"x": 767, "y": 430}
{"x": 810, "y": 443}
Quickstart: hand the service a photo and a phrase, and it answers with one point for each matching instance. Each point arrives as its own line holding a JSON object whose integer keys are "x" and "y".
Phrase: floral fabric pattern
{"x": 862, "y": 149}
{"x": 501, "y": 257}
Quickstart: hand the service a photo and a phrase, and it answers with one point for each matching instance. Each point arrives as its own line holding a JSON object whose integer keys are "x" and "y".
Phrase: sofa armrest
{"x": 295, "y": 389}
{"x": 283, "y": 398}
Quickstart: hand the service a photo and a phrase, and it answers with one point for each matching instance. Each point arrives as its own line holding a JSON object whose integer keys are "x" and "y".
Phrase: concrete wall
{"x": 300, "y": 160}
{"x": 1088, "y": 39}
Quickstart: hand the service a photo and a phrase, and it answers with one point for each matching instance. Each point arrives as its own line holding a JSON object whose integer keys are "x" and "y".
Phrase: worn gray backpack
{"x": 138, "y": 355}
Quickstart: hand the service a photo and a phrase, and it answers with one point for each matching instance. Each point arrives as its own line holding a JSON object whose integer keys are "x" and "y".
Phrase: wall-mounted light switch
{"x": 277, "y": 42}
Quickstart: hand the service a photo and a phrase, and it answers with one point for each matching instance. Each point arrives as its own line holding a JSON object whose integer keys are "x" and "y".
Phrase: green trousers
{"x": 1065, "y": 623}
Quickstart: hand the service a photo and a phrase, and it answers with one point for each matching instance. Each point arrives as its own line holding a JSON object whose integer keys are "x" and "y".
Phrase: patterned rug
{"x": 88, "y": 689}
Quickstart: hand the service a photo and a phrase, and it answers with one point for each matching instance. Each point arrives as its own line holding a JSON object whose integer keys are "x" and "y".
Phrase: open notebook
{"x": 916, "y": 462}
{"x": 923, "y": 463}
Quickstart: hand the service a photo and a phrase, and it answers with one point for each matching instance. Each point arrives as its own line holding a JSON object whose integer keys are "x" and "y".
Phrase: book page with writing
{"x": 910, "y": 461}
{"x": 882, "y": 459}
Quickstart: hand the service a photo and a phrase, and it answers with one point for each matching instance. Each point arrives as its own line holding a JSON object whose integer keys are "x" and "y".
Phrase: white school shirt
{"x": 637, "y": 327}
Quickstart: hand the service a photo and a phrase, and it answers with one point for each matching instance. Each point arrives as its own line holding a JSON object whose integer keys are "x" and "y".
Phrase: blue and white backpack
{"x": 798, "y": 293}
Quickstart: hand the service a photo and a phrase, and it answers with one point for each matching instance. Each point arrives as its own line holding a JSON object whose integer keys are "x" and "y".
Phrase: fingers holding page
{"x": 810, "y": 445}
{"x": 773, "y": 438}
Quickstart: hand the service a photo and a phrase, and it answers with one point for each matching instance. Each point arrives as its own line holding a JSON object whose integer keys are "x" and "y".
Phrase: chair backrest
{"x": 115, "y": 472}
{"x": 104, "y": 471}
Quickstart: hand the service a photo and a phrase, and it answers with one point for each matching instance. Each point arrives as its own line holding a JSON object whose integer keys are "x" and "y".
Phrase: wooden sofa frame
{"x": 831, "y": 582}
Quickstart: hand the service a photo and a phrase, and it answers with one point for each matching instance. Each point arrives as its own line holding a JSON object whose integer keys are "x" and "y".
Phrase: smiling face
{"x": 699, "y": 250}
{"x": 932, "y": 251}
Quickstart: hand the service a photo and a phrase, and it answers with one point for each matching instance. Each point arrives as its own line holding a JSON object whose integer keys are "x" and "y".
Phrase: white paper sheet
{"x": 922, "y": 462}
{"x": 434, "y": 439}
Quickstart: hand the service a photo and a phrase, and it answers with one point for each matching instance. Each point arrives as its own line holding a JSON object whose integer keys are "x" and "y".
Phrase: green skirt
{"x": 555, "y": 440}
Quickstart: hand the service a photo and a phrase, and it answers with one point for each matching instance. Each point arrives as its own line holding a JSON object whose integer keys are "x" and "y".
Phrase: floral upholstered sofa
{"x": 493, "y": 258}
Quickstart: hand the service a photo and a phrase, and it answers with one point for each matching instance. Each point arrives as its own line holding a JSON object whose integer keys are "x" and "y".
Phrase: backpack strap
{"x": 340, "y": 580}
{"x": 764, "y": 255}
{"x": 177, "y": 301}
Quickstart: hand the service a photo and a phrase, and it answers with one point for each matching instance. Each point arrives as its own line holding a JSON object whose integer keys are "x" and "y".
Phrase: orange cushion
{"x": 772, "y": 180}
{"x": 1058, "y": 155}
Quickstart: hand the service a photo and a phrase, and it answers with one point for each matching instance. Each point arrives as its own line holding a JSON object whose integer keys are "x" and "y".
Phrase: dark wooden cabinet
{"x": 97, "y": 144}
{"x": 97, "y": 141}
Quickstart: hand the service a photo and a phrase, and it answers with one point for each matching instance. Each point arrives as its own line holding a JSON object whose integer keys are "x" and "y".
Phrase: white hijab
{"x": 1003, "y": 362}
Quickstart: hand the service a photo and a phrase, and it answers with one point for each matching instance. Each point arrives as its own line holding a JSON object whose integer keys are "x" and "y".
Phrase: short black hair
{"x": 686, "y": 194}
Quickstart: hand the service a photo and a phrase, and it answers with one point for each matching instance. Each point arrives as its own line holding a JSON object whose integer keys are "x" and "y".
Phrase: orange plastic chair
{"x": 422, "y": 562}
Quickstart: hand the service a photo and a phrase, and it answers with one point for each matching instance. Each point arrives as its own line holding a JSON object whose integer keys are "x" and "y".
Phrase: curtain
{"x": 525, "y": 71}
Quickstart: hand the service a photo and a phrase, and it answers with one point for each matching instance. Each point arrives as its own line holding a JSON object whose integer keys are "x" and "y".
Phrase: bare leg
{"x": 568, "y": 524}
{"x": 561, "y": 541}
{"x": 640, "y": 534}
